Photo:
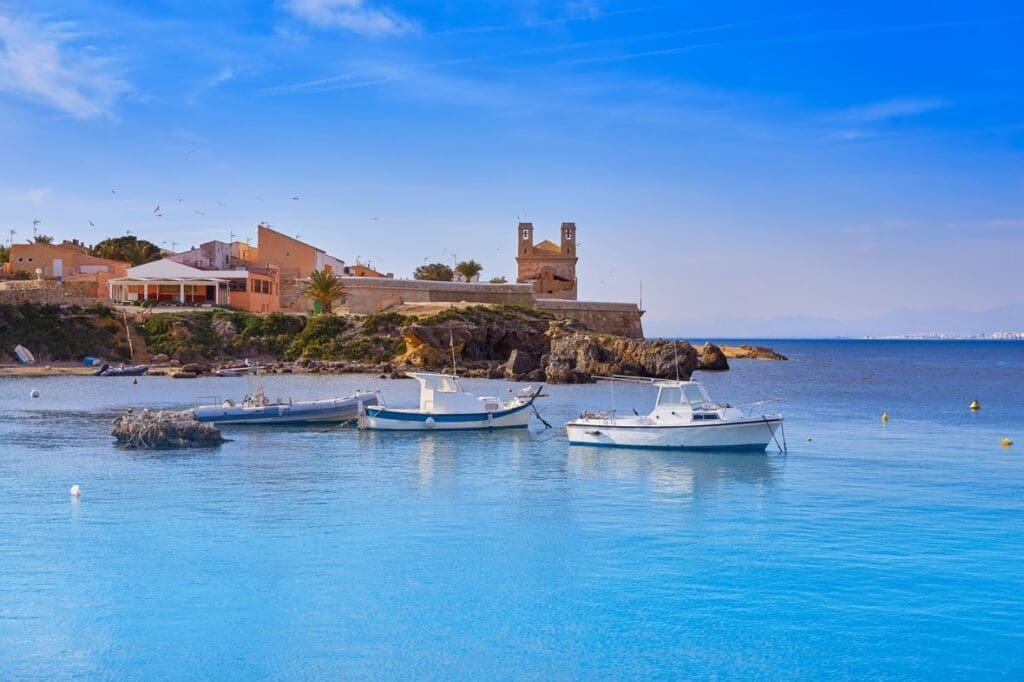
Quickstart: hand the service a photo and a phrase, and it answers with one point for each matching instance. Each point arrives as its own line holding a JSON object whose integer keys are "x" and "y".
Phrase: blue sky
{"x": 739, "y": 159}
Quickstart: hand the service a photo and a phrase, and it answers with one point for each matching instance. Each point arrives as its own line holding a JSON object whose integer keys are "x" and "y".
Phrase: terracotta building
{"x": 257, "y": 290}
{"x": 294, "y": 259}
{"x": 57, "y": 261}
{"x": 549, "y": 267}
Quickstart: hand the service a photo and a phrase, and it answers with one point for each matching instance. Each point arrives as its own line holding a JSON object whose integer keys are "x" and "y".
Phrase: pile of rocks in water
{"x": 164, "y": 429}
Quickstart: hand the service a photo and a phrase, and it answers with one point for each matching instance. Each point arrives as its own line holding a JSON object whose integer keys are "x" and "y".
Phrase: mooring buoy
{"x": 975, "y": 405}
{"x": 76, "y": 491}
{"x": 885, "y": 417}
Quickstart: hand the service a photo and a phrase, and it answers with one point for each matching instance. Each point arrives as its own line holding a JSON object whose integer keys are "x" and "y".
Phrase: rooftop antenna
{"x": 34, "y": 223}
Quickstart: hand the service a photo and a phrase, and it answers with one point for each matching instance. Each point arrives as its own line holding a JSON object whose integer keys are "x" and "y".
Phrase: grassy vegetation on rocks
{"x": 62, "y": 333}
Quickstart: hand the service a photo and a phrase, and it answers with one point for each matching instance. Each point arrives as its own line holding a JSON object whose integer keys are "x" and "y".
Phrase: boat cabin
{"x": 677, "y": 396}
{"x": 443, "y": 393}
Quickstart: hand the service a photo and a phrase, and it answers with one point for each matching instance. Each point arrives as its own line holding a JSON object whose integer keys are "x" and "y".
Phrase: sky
{"x": 746, "y": 160}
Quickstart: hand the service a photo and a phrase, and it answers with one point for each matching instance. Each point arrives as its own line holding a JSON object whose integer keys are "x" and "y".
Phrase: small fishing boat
{"x": 24, "y": 355}
{"x": 684, "y": 418}
{"x": 445, "y": 405}
{"x": 256, "y": 408}
{"x": 121, "y": 371}
{"x": 236, "y": 371}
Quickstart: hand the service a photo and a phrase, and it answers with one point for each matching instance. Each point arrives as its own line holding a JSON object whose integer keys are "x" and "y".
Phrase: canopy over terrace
{"x": 168, "y": 281}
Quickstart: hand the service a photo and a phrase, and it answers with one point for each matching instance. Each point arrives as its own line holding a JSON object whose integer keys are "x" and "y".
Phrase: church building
{"x": 549, "y": 267}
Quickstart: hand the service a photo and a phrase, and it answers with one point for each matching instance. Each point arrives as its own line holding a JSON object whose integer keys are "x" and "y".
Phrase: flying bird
{"x": 259, "y": 198}
{"x": 192, "y": 151}
{"x": 157, "y": 209}
{"x": 180, "y": 200}
{"x": 200, "y": 212}
{"x": 221, "y": 203}
{"x": 113, "y": 191}
{"x": 92, "y": 223}
{"x": 295, "y": 198}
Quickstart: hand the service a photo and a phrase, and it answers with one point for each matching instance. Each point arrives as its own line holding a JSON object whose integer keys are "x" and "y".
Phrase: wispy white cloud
{"x": 356, "y": 16}
{"x": 899, "y": 107}
{"x": 35, "y": 196}
{"x": 52, "y": 63}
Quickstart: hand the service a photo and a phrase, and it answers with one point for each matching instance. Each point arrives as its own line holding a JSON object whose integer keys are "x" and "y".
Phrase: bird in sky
{"x": 113, "y": 191}
{"x": 157, "y": 209}
{"x": 295, "y": 198}
{"x": 200, "y": 212}
{"x": 259, "y": 198}
{"x": 92, "y": 223}
{"x": 180, "y": 200}
{"x": 192, "y": 151}
{"x": 221, "y": 203}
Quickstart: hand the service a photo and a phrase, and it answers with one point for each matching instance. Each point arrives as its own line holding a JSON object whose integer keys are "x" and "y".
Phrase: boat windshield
{"x": 447, "y": 385}
{"x": 670, "y": 395}
{"x": 696, "y": 395}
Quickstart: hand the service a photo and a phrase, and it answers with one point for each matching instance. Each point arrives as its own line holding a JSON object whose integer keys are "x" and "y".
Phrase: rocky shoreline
{"x": 506, "y": 342}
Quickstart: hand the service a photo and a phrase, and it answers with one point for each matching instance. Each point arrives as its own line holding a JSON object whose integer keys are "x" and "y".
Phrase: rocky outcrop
{"x": 746, "y": 352}
{"x": 522, "y": 366}
{"x": 578, "y": 356}
{"x": 712, "y": 359}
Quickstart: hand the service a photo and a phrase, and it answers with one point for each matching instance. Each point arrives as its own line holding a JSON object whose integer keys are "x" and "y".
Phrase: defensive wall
{"x": 366, "y": 295}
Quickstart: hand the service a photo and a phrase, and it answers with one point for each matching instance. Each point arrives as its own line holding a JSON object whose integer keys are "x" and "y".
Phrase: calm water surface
{"x": 867, "y": 550}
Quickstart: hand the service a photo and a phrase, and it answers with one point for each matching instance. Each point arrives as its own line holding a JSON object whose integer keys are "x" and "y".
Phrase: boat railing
{"x": 603, "y": 414}
{"x": 214, "y": 401}
{"x": 756, "y": 408}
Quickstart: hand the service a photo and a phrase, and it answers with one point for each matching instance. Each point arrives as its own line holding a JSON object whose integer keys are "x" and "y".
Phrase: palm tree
{"x": 325, "y": 287}
{"x": 469, "y": 269}
{"x": 41, "y": 239}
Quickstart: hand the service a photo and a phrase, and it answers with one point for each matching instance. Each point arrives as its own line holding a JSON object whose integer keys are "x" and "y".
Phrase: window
{"x": 526, "y": 234}
{"x": 695, "y": 395}
{"x": 670, "y": 396}
{"x": 447, "y": 385}
{"x": 568, "y": 235}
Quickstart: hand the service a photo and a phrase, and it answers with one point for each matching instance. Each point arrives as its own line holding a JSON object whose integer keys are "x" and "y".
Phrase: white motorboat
{"x": 684, "y": 418}
{"x": 445, "y": 405}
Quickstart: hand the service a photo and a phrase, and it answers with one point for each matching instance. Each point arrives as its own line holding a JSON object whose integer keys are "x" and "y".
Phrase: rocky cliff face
{"x": 576, "y": 356}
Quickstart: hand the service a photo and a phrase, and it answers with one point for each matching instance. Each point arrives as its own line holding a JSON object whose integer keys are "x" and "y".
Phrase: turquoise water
{"x": 869, "y": 550}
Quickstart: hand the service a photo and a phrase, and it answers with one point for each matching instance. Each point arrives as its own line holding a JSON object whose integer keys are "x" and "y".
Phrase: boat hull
{"x": 384, "y": 419}
{"x": 313, "y": 412}
{"x": 740, "y": 435}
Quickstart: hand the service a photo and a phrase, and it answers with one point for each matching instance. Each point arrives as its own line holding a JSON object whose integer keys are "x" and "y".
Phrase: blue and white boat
{"x": 446, "y": 406}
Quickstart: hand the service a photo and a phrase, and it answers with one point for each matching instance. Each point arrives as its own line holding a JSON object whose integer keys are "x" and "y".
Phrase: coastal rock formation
{"x": 712, "y": 358}
{"x": 578, "y": 356}
{"x": 483, "y": 337}
{"x": 746, "y": 352}
{"x": 521, "y": 366}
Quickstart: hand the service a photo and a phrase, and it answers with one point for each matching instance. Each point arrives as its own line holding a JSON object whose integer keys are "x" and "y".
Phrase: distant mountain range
{"x": 936, "y": 321}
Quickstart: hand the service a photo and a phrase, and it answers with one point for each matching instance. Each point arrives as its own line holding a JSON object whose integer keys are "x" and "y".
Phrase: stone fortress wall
{"x": 367, "y": 295}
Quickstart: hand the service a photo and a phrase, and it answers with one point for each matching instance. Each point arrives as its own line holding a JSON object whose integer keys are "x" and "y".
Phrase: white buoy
{"x": 34, "y": 393}
{"x": 76, "y": 491}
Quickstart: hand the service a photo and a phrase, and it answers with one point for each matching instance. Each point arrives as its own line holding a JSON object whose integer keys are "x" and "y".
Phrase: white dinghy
{"x": 445, "y": 406}
{"x": 684, "y": 418}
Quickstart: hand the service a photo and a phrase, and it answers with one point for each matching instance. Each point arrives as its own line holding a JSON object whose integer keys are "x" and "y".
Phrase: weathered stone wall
{"x": 374, "y": 294}
{"x": 48, "y": 291}
{"x": 623, "y": 319}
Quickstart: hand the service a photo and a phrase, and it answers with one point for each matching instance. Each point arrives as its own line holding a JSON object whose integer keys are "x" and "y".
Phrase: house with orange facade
{"x": 57, "y": 261}
{"x": 254, "y": 289}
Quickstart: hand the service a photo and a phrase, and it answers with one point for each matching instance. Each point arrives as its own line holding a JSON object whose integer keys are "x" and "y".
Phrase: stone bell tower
{"x": 569, "y": 239}
{"x": 549, "y": 267}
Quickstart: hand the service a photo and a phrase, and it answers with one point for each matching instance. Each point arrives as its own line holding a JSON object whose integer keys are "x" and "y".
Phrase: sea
{"x": 868, "y": 549}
